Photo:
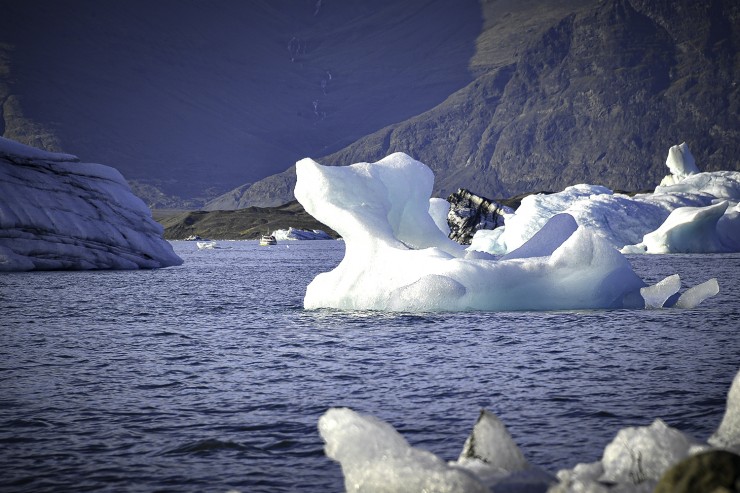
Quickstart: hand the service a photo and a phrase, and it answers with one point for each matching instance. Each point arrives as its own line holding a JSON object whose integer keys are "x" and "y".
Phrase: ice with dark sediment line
{"x": 58, "y": 213}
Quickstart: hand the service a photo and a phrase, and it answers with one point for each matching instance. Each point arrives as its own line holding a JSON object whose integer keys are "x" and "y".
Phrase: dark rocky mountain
{"x": 191, "y": 98}
{"x": 598, "y": 96}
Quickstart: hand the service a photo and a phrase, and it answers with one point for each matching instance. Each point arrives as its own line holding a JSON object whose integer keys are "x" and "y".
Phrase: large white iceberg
{"x": 690, "y": 212}
{"x": 398, "y": 259}
{"x": 58, "y": 213}
{"x": 375, "y": 458}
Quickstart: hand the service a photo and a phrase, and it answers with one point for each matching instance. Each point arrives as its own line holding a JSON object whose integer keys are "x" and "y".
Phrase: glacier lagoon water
{"x": 210, "y": 376}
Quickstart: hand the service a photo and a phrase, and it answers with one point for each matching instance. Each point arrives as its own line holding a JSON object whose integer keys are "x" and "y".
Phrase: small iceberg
{"x": 294, "y": 234}
{"x": 206, "y": 245}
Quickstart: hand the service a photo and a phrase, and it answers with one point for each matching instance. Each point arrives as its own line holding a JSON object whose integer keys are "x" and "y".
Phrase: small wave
{"x": 205, "y": 446}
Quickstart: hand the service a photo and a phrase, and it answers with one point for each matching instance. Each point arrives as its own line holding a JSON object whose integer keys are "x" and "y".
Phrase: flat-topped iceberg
{"x": 690, "y": 212}
{"x": 398, "y": 259}
{"x": 59, "y": 213}
{"x": 376, "y": 458}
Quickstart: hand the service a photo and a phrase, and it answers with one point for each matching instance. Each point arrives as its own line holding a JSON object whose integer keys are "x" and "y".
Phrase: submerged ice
{"x": 58, "y": 213}
{"x": 398, "y": 258}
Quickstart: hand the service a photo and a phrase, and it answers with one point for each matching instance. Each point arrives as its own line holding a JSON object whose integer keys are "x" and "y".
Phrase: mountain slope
{"x": 598, "y": 97}
{"x": 193, "y": 97}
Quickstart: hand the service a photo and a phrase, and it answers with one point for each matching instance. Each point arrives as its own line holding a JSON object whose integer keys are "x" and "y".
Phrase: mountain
{"x": 189, "y": 98}
{"x": 584, "y": 92}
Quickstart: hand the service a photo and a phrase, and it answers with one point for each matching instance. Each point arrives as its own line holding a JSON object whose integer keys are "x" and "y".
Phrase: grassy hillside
{"x": 243, "y": 224}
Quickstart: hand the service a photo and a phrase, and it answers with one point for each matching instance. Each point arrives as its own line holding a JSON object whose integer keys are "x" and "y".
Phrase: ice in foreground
{"x": 376, "y": 458}
{"x": 398, "y": 259}
{"x": 58, "y": 213}
{"x": 690, "y": 212}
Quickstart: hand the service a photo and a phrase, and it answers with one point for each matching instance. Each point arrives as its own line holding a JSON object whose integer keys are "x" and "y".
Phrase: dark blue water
{"x": 210, "y": 376}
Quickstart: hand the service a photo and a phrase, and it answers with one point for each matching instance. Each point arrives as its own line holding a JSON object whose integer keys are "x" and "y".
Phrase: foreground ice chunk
{"x": 376, "y": 458}
{"x": 644, "y": 453}
{"x": 57, "y": 213}
{"x": 728, "y": 433}
{"x": 398, "y": 259}
{"x": 491, "y": 444}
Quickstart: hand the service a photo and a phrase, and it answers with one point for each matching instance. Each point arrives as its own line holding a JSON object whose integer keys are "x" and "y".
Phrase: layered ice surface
{"x": 399, "y": 259}
{"x": 690, "y": 212}
{"x": 376, "y": 458}
{"x": 58, "y": 213}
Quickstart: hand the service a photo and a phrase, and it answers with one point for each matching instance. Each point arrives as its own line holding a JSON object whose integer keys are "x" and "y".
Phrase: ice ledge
{"x": 57, "y": 213}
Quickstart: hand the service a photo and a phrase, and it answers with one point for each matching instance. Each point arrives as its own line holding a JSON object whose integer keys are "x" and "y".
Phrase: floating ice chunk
{"x": 376, "y": 458}
{"x": 655, "y": 296}
{"x": 396, "y": 258}
{"x": 728, "y": 433}
{"x": 688, "y": 230}
{"x": 644, "y": 453}
{"x": 681, "y": 164}
{"x": 554, "y": 233}
{"x": 491, "y": 443}
{"x": 439, "y": 209}
{"x": 300, "y": 234}
{"x": 487, "y": 240}
{"x": 693, "y": 296}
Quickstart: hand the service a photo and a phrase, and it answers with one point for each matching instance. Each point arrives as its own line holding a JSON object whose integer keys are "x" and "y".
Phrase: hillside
{"x": 598, "y": 96}
{"x": 243, "y": 224}
{"x": 189, "y": 99}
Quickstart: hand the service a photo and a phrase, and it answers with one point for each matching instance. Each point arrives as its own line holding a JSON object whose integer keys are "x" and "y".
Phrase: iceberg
{"x": 300, "y": 234}
{"x": 58, "y": 213}
{"x": 689, "y": 212}
{"x": 376, "y": 458}
{"x": 398, "y": 259}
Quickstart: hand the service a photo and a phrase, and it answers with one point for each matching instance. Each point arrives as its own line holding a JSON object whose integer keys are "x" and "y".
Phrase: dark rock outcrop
{"x": 716, "y": 471}
{"x": 470, "y": 212}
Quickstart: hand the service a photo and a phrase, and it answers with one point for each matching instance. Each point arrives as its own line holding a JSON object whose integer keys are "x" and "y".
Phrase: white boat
{"x": 267, "y": 240}
{"x": 206, "y": 245}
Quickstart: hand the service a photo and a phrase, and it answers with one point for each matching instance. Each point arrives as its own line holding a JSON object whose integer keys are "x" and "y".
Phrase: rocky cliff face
{"x": 595, "y": 98}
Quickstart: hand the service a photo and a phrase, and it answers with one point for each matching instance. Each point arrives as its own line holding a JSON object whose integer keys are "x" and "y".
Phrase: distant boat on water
{"x": 267, "y": 240}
